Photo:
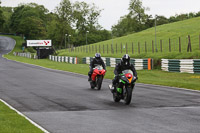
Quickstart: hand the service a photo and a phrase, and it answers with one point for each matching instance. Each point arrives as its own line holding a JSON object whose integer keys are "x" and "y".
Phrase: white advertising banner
{"x": 38, "y": 43}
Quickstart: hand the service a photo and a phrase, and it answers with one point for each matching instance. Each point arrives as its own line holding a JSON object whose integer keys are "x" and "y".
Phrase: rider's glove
{"x": 117, "y": 75}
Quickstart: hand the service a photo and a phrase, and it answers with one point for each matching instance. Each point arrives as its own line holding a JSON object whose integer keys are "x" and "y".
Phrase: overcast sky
{"x": 114, "y": 9}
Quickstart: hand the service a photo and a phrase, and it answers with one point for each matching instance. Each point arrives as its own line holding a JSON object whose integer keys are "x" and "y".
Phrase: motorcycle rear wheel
{"x": 115, "y": 97}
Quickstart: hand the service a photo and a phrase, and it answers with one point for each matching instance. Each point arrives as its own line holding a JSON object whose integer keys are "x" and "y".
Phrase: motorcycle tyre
{"x": 115, "y": 97}
{"x": 92, "y": 84}
{"x": 128, "y": 97}
{"x": 99, "y": 82}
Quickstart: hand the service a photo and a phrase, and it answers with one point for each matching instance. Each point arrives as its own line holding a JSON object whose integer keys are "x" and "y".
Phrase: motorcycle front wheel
{"x": 128, "y": 95}
{"x": 92, "y": 84}
{"x": 99, "y": 82}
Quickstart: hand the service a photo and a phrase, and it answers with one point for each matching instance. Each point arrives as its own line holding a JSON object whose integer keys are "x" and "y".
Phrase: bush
{"x": 30, "y": 49}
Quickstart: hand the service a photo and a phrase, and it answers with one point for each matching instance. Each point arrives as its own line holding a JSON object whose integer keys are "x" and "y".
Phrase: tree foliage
{"x": 86, "y": 19}
{"x": 2, "y": 19}
{"x": 65, "y": 19}
{"x": 137, "y": 11}
{"x": 161, "y": 20}
{"x": 32, "y": 27}
{"x": 133, "y": 22}
{"x": 74, "y": 19}
{"x": 30, "y": 20}
{"x": 7, "y": 12}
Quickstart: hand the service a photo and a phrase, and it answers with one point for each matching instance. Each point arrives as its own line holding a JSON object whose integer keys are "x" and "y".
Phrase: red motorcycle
{"x": 97, "y": 77}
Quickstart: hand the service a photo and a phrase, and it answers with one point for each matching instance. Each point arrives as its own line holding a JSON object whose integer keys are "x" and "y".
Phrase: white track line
{"x": 142, "y": 84}
{"x": 31, "y": 121}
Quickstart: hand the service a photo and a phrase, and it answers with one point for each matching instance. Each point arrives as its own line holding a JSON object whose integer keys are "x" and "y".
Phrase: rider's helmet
{"x": 97, "y": 56}
{"x": 126, "y": 59}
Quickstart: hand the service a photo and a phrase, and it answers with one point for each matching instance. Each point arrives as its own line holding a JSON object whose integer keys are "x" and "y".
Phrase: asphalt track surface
{"x": 63, "y": 102}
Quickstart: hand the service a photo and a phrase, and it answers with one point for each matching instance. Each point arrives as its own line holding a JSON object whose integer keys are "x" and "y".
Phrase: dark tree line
{"x": 2, "y": 19}
{"x": 69, "y": 21}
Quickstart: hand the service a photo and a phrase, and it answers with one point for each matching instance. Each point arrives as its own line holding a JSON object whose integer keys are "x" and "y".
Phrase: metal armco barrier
{"x": 181, "y": 65}
{"x": 139, "y": 64}
{"x": 27, "y": 55}
{"x": 72, "y": 60}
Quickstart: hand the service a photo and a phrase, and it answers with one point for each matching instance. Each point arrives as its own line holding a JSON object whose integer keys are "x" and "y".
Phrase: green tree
{"x": 86, "y": 16}
{"x": 126, "y": 25}
{"x": 161, "y": 20}
{"x": 65, "y": 19}
{"x": 93, "y": 16}
{"x": 150, "y": 22}
{"x": 137, "y": 11}
{"x": 134, "y": 21}
{"x": 81, "y": 10}
{"x": 197, "y": 14}
{"x": 182, "y": 17}
{"x": 7, "y": 12}
{"x": 172, "y": 19}
{"x": 30, "y": 20}
{"x": 86, "y": 19}
{"x": 53, "y": 29}
{"x": 32, "y": 28}
{"x": 191, "y": 15}
{"x": 2, "y": 19}
{"x": 75, "y": 19}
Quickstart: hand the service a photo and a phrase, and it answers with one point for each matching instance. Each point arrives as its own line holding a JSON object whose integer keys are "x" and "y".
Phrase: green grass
{"x": 158, "y": 77}
{"x": 164, "y": 32}
{"x": 11, "y": 122}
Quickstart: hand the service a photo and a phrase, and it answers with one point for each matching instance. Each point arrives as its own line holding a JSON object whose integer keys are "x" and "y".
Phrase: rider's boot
{"x": 112, "y": 88}
{"x": 89, "y": 78}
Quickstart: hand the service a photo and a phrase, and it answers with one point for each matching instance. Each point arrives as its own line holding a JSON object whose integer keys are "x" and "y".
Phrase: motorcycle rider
{"x": 123, "y": 65}
{"x": 96, "y": 61}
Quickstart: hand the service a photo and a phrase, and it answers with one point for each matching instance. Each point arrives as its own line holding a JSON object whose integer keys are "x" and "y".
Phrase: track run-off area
{"x": 62, "y": 102}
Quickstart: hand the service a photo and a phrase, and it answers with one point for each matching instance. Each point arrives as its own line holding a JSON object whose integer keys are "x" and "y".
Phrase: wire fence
{"x": 180, "y": 44}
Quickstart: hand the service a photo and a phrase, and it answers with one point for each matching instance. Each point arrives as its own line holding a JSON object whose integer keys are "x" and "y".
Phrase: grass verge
{"x": 158, "y": 77}
{"x": 11, "y": 122}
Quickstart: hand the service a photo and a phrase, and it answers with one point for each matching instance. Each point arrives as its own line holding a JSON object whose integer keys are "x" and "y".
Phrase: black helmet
{"x": 126, "y": 59}
{"x": 97, "y": 56}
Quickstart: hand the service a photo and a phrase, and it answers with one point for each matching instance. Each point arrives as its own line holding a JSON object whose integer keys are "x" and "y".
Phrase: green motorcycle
{"x": 124, "y": 87}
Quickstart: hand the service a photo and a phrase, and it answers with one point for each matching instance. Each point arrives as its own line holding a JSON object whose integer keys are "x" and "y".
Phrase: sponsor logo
{"x": 38, "y": 42}
{"x": 46, "y": 43}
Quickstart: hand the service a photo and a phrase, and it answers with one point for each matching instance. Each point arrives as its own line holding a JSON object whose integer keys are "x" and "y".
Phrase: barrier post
{"x": 149, "y": 64}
